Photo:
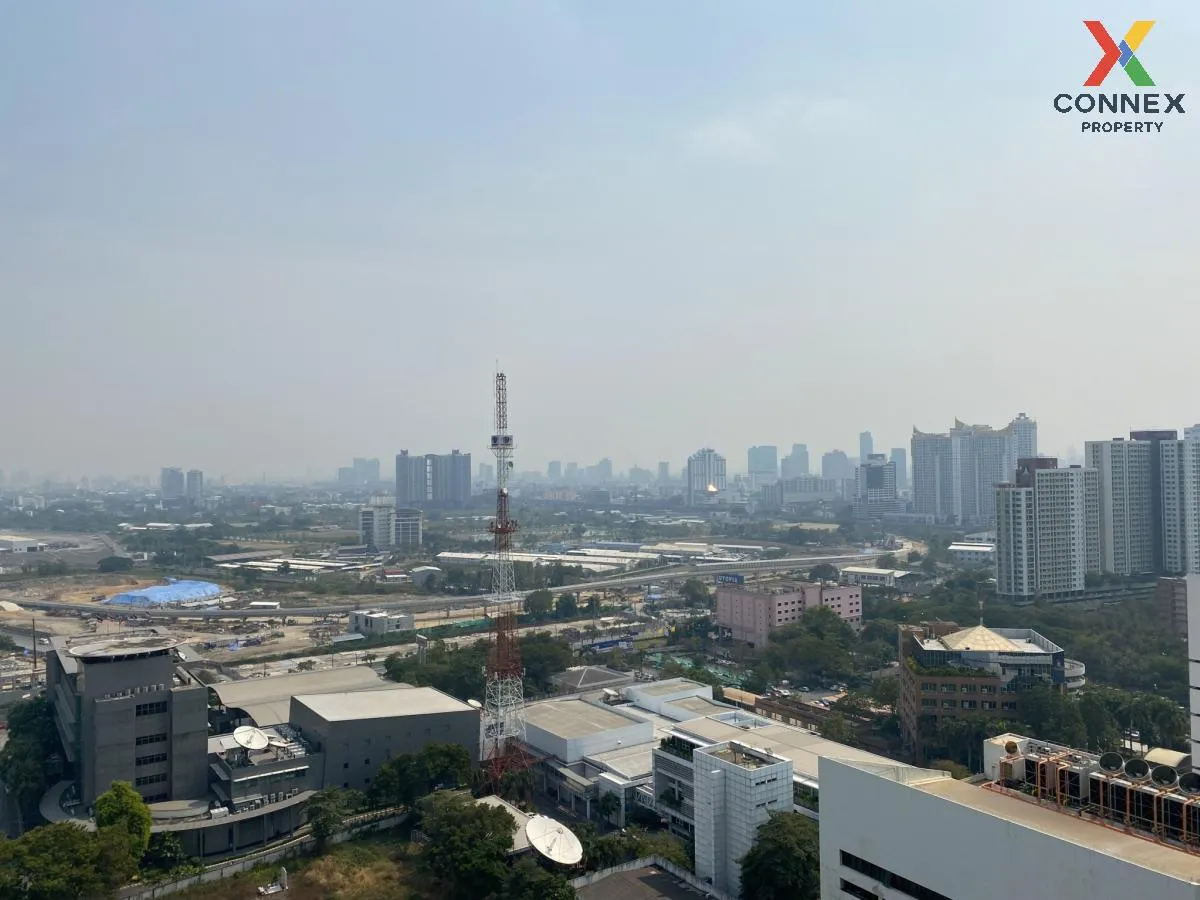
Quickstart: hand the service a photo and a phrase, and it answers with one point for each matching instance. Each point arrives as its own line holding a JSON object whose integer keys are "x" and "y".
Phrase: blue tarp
{"x": 169, "y": 594}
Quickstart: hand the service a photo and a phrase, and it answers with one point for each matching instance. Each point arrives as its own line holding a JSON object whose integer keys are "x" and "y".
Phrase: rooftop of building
{"x": 629, "y": 763}
{"x": 520, "y": 820}
{"x": 694, "y": 707}
{"x": 971, "y": 546}
{"x": 666, "y": 686}
{"x": 1066, "y": 826}
{"x": 871, "y": 570}
{"x": 396, "y": 700}
{"x": 992, "y": 640}
{"x": 117, "y": 648}
{"x": 575, "y": 718}
{"x": 805, "y": 749}
{"x": 744, "y": 757}
{"x": 268, "y": 700}
{"x": 650, "y": 883}
{"x": 585, "y": 678}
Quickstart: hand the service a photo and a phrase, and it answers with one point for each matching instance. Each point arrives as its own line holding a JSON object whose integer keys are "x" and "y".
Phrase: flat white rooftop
{"x": 1068, "y": 827}
{"x": 382, "y": 704}
{"x": 574, "y": 718}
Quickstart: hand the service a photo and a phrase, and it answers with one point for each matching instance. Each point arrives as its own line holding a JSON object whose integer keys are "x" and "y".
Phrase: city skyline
{"x": 611, "y": 200}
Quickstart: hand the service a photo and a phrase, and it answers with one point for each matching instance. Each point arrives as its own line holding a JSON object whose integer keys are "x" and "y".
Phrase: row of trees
{"x": 26, "y": 760}
{"x": 541, "y": 605}
{"x": 460, "y": 672}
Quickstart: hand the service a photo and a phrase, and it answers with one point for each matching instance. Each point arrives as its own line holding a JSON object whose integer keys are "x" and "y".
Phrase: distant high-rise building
{"x": 704, "y": 481}
{"x": 194, "y": 485}
{"x": 412, "y": 479}
{"x": 1126, "y": 526}
{"x": 763, "y": 464}
{"x": 408, "y": 527}
{"x": 554, "y": 471}
{"x": 900, "y": 460}
{"x": 955, "y": 473}
{"x": 1156, "y": 439}
{"x": 836, "y": 465}
{"x": 601, "y": 472}
{"x": 1024, "y": 433}
{"x": 866, "y": 446}
{"x": 366, "y": 471}
{"x": 449, "y": 478}
{"x": 639, "y": 476}
{"x": 1047, "y": 530}
{"x": 171, "y": 483}
{"x": 346, "y": 476}
{"x": 377, "y": 525}
{"x": 795, "y": 465}
{"x": 875, "y": 488}
{"x": 1191, "y": 433}
{"x": 571, "y": 472}
{"x": 664, "y": 472}
{"x": 1179, "y": 471}
{"x": 487, "y": 473}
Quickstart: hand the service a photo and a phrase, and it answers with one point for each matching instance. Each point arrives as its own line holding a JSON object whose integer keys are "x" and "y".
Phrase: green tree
{"x": 55, "y": 862}
{"x": 122, "y": 807}
{"x": 607, "y": 806}
{"x": 326, "y": 813}
{"x": 165, "y": 853}
{"x": 529, "y": 881}
{"x": 885, "y": 691}
{"x": 32, "y": 740}
{"x": 785, "y": 861}
{"x": 835, "y": 728}
{"x": 115, "y": 564}
{"x": 887, "y": 561}
{"x": 567, "y": 607}
{"x": 1053, "y": 716}
{"x": 467, "y": 844}
{"x": 695, "y": 593}
{"x": 539, "y": 603}
{"x": 824, "y": 572}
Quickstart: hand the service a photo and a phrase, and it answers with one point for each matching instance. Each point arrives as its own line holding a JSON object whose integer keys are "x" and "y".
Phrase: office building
{"x": 412, "y": 480}
{"x": 601, "y": 472}
{"x": 1047, "y": 530}
{"x": 1024, "y": 432}
{"x": 664, "y": 472}
{"x": 795, "y": 464}
{"x": 366, "y": 471}
{"x": 866, "y": 445}
{"x": 704, "y": 479}
{"x": 377, "y": 525}
{"x": 932, "y": 475}
{"x": 554, "y": 470}
{"x": 1156, "y": 439}
{"x": 487, "y": 475}
{"x": 836, "y": 465}
{"x": 762, "y": 463}
{"x": 571, "y": 472}
{"x": 409, "y": 532}
{"x": 449, "y": 479}
{"x": 1171, "y": 598}
{"x": 875, "y": 488}
{"x": 751, "y": 615}
{"x": 194, "y": 485}
{"x": 899, "y": 457}
{"x": 172, "y": 484}
{"x": 1053, "y": 825}
{"x": 973, "y": 554}
{"x": 1192, "y": 591}
{"x": 978, "y": 672}
{"x": 789, "y": 493}
{"x": 1126, "y": 504}
{"x": 1178, "y": 533}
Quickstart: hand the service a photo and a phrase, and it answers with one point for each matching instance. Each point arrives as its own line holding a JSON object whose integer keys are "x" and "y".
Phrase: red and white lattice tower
{"x": 503, "y": 730}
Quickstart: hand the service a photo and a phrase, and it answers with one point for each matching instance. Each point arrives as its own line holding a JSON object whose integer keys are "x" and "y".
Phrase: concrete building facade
{"x": 1126, "y": 504}
{"x": 704, "y": 477}
{"x": 1179, "y": 499}
{"x": 409, "y": 527}
{"x": 875, "y": 493}
{"x": 751, "y": 615}
{"x": 377, "y": 526}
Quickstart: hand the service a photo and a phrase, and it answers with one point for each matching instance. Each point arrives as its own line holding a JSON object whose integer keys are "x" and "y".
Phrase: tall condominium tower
{"x": 1126, "y": 504}
{"x": 704, "y": 480}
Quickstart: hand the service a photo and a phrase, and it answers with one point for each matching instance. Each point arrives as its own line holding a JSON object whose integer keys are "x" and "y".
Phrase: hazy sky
{"x": 248, "y": 236}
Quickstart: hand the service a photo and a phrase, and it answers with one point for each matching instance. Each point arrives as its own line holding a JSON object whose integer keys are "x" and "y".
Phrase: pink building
{"x": 751, "y": 615}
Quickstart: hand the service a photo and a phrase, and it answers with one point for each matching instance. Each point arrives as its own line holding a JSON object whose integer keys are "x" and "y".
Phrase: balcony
{"x": 1075, "y": 674}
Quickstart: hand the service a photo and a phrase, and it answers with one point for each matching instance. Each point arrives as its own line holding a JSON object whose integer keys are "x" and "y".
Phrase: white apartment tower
{"x": 377, "y": 525}
{"x": 1126, "y": 529}
{"x": 1024, "y": 432}
{"x": 932, "y": 474}
{"x": 1180, "y": 462}
{"x": 1193, "y": 617}
{"x": 1047, "y": 530}
{"x": 704, "y": 480}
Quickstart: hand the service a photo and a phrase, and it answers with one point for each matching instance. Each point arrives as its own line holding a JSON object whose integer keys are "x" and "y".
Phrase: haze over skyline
{"x": 271, "y": 237}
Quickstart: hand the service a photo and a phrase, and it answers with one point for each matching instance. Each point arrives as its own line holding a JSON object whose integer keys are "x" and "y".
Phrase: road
{"x": 422, "y": 604}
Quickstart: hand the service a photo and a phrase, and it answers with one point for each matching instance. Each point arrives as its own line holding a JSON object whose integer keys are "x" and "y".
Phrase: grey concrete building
{"x": 127, "y": 711}
{"x": 357, "y": 731}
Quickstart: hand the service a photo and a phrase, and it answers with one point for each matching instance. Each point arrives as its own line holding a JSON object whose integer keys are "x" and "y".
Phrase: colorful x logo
{"x": 1120, "y": 53}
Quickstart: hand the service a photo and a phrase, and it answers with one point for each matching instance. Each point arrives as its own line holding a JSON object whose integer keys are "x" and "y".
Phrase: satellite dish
{"x": 1012, "y": 748}
{"x": 1111, "y": 762}
{"x": 474, "y": 704}
{"x": 250, "y": 738}
{"x": 554, "y": 840}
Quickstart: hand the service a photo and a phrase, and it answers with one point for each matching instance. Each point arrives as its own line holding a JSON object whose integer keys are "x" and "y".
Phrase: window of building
{"x": 150, "y": 779}
{"x": 967, "y": 704}
{"x": 897, "y": 883}
{"x": 151, "y": 739}
{"x": 345, "y": 765}
{"x": 928, "y": 687}
{"x": 150, "y": 760}
{"x": 987, "y": 704}
{"x": 948, "y": 704}
{"x": 151, "y": 709}
{"x": 850, "y": 889}
{"x": 1009, "y": 706}
{"x": 968, "y": 688}
{"x": 928, "y": 703}
{"x": 949, "y": 689}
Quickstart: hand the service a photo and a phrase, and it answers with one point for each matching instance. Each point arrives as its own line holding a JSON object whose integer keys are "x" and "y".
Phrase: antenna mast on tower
{"x": 504, "y": 693}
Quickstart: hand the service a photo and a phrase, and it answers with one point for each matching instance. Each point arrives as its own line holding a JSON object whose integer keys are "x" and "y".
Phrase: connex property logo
{"x": 1094, "y": 107}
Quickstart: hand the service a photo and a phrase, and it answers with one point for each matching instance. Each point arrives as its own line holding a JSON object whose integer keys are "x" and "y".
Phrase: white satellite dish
{"x": 251, "y": 738}
{"x": 554, "y": 840}
{"x": 474, "y": 704}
